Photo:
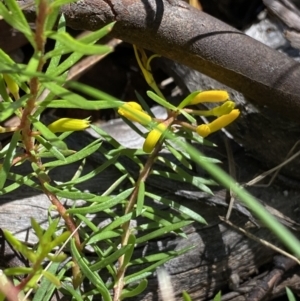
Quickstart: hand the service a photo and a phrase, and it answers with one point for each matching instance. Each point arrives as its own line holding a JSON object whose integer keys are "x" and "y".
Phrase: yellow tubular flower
{"x": 210, "y": 96}
{"x": 134, "y": 112}
{"x": 205, "y": 129}
{"x": 153, "y": 138}
{"x": 11, "y": 85}
{"x": 68, "y": 124}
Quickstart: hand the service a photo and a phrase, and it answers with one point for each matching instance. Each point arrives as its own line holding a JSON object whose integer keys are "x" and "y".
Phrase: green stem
{"x": 126, "y": 226}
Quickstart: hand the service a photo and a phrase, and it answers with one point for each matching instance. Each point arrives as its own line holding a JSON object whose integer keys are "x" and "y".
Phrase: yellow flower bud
{"x": 68, "y": 124}
{"x": 134, "y": 112}
{"x": 205, "y": 129}
{"x": 210, "y": 96}
{"x": 153, "y": 137}
{"x": 135, "y": 105}
{"x": 11, "y": 85}
{"x": 224, "y": 109}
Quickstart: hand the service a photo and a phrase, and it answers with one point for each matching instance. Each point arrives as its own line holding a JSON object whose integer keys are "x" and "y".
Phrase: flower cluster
{"x": 225, "y": 113}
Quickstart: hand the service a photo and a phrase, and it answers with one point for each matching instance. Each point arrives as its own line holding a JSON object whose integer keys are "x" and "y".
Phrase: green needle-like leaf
{"x": 129, "y": 252}
{"x": 109, "y": 260}
{"x": 46, "y": 286}
{"x": 4, "y": 169}
{"x": 51, "y": 278}
{"x": 140, "y": 198}
{"x": 161, "y": 101}
{"x": 92, "y": 276}
{"x": 83, "y": 153}
{"x": 128, "y": 293}
{"x": 162, "y": 231}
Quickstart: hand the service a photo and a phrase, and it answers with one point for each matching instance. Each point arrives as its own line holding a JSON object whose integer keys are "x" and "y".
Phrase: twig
{"x": 275, "y": 169}
{"x": 262, "y": 241}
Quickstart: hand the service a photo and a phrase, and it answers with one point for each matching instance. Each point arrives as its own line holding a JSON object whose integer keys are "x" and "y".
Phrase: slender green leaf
{"x": 92, "y": 92}
{"x": 52, "y": 18}
{"x": 188, "y": 99}
{"x": 162, "y": 218}
{"x": 115, "y": 185}
{"x": 87, "y": 222}
{"x": 74, "y": 293}
{"x": 73, "y": 45}
{"x": 161, "y": 101}
{"x": 95, "y": 238}
{"x": 46, "y": 286}
{"x": 157, "y": 257}
{"x": 18, "y": 271}
{"x": 91, "y": 174}
{"x": 289, "y": 294}
{"x": 83, "y": 153}
{"x": 129, "y": 293}
{"x": 192, "y": 180}
{"x": 189, "y": 117}
{"x": 4, "y": 169}
{"x": 15, "y": 17}
{"x": 22, "y": 180}
{"x": 179, "y": 156}
{"x": 110, "y": 202}
{"x": 190, "y": 213}
{"x": 18, "y": 181}
{"x": 148, "y": 270}
{"x": 120, "y": 220}
{"x": 162, "y": 231}
{"x": 140, "y": 198}
{"x": 10, "y": 188}
{"x": 33, "y": 64}
{"x": 54, "y": 62}
{"x": 86, "y": 42}
{"x": 86, "y": 105}
{"x": 97, "y": 34}
{"x": 45, "y": 154}
{"x": 59, "y": 3}
{"x": 51, "y": 278}
{"x": 8, "y": 109}
{"x": 39, "y": 232}
{"x": 60, "y": 239}
{"x": 4, "y": 95}
{"x": 9, "y": 66}
{"x": 73, "y": 195}
{"x": 20, "y": 247}
{"x": 92, "y": 276}
{"x": 53, "y": 150}
{"x": 66, "y": 64}
{"x": 47, "y": 236}
{"x": 186, "y": 296}
{"x": 129, "y": 252}
{"x": 217, "y": 296}
{"x": 109, "y": 260}
{"x": 144, "y": 104}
